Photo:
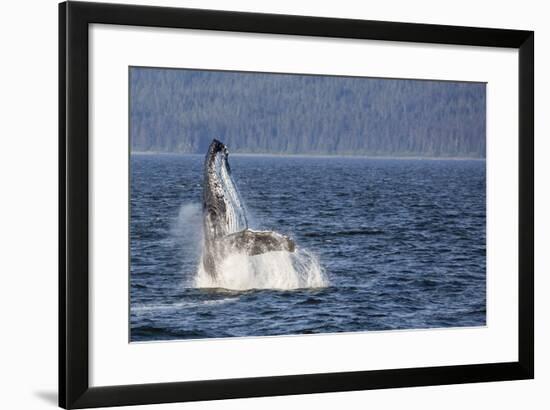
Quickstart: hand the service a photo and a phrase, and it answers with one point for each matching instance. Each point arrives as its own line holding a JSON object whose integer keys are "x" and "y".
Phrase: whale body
{"x": 225, "y": 224}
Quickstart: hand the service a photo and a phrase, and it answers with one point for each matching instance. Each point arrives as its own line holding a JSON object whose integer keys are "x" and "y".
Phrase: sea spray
{"x": 187, "y": 233}
{"x": 187, "y": 225}
{"x": 272, "y": 270}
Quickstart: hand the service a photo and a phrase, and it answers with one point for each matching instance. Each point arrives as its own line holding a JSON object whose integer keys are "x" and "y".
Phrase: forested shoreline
{"x": 180, "y": 111}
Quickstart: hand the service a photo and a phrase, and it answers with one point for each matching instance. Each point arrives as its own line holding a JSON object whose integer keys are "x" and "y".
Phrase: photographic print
{"x": 270, "y": 204}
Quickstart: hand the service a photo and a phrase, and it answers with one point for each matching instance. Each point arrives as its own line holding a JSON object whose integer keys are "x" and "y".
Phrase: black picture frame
{"x": 74, "y": 388}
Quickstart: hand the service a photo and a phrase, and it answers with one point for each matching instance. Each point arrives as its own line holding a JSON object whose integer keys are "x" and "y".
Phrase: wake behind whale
{"x": 236, "y": 257}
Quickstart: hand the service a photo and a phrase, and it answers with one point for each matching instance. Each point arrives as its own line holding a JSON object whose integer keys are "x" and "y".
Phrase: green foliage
{"x": 183, "y": 110}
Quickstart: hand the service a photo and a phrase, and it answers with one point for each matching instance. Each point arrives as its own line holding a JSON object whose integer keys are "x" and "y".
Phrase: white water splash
{"x": 271, "y": 270}
{"x": 144, "y": 308}
{"x": 239, "y": 271}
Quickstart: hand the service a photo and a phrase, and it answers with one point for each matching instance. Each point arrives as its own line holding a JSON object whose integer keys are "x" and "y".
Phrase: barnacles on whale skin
{"x": 258, "y": 242}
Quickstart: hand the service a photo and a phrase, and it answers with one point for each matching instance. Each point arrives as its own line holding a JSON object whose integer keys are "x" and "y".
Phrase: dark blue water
{"x": 402, "y": 243}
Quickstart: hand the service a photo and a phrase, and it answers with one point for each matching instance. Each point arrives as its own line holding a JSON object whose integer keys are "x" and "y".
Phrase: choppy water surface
{"x": 387, "y": 244}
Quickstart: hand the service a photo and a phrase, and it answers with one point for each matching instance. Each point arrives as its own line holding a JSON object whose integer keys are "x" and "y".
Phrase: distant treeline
{"x": 183, "y": 110}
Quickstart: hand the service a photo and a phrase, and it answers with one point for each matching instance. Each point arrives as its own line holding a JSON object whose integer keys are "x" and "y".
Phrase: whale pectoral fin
{"x": 258, "y": 242}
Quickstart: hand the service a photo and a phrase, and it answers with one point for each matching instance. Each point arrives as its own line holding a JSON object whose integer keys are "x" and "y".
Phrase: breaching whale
{"x": 225, "y": 223}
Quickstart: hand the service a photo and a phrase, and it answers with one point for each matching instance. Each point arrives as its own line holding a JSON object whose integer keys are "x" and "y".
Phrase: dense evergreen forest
{"x": 182, "y": 110}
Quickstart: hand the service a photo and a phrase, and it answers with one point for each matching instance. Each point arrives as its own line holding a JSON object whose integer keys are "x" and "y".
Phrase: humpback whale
{"x": 225, "y": 224}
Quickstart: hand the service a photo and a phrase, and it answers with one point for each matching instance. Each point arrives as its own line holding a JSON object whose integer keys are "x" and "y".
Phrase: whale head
{"x": 222, "y": 205}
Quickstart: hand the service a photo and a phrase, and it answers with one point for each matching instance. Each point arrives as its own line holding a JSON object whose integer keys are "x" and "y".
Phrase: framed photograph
{"x": 255, "y": 204}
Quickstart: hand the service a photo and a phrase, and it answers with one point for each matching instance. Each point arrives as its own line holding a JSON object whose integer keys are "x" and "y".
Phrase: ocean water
{"x": 383, "y": 244}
